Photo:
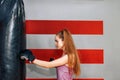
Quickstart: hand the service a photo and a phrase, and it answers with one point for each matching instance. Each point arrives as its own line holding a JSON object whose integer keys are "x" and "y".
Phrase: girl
{"x": 68, "y": 64}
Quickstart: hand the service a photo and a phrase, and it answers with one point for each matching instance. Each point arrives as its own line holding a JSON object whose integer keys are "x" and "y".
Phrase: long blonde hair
{"x": 70, "y": 50}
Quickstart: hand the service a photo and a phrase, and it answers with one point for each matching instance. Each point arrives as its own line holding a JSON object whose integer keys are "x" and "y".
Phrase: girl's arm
{"x": 58, "y": 62}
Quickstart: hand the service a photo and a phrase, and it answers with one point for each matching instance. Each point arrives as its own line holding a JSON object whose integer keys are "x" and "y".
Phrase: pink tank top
{"x": 63, "y": 73}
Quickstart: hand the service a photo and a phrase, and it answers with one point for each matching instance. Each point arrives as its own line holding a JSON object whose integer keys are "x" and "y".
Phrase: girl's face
{"x": 59, "y": 43}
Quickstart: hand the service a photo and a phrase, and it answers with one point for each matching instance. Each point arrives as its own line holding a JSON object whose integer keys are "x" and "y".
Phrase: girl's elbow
{"x": 49, "y": 66}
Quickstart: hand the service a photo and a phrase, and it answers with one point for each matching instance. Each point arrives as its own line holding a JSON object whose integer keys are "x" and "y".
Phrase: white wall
{"x": 106, "y": 10}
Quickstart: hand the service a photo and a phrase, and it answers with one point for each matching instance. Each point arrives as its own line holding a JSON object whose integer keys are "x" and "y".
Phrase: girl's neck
{"x": 64, "y": 53}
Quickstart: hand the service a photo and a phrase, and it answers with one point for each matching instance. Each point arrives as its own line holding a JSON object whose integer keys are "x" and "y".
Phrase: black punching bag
{"x": 12, "y": 40}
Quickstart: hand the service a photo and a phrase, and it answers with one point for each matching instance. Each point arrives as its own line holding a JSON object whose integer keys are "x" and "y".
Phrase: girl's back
{"x": 63, "y": 73}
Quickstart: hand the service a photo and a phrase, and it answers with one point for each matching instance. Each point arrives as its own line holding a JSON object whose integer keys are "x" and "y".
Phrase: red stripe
{"x": 87, "y": 56}
{"x": 73, "y": 79}
{"x": 53, "y": 26}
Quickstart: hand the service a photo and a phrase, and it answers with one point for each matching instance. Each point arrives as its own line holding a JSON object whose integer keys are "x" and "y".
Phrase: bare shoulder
{"x": 65, "y": 56}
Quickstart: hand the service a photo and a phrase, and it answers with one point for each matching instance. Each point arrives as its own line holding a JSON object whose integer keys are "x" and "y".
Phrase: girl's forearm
{"x": 41, "y": 63}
